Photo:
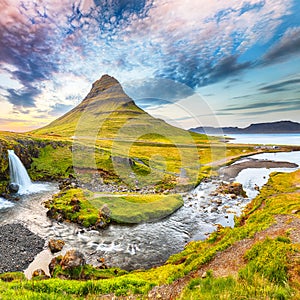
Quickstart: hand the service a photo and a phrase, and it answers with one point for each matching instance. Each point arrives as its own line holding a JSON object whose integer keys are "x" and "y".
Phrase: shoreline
{"x": 230, "y": 172}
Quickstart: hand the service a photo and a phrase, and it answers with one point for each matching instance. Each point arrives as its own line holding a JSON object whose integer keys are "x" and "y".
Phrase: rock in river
{"x": 233, "y": 188}
{"x": 13, "y": 188}
{"x": 55, "y": 245}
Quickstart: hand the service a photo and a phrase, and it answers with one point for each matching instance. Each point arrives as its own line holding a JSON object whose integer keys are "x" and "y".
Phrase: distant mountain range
{"x": 273, "y": 127}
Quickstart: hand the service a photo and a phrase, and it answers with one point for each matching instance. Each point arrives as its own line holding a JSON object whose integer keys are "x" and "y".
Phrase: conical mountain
{"x": 112, "y": 134}
{"x": 108, "y": 113}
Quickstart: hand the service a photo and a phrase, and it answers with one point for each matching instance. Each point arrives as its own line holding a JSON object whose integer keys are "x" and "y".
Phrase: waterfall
{"x": 17, "y": 171}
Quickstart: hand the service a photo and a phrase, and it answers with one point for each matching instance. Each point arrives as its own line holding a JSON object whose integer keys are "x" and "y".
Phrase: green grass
{"x": 229, "y": 288}
{"x": 129, "y": 208}
{"x": 85, "y": 272}
{"x": 71, "y": 289}
{"x": 73, "y": 205}
{"x": 269, "y": 259}
{"x": 265, "y": 275}
{"x": 138, "y": 208}
{"x": 158, "y": 158}
{"x": 52, "y": 163}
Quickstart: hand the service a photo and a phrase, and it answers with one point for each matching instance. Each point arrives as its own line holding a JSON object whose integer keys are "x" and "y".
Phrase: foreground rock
{"x": 73, "y": 266}
{"x": 56, "y": 245}
{"x": 72, "y": 260}
{"x": 18, "y": 247}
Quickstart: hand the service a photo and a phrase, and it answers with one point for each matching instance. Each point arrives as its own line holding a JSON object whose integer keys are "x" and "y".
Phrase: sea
{"x": 292, "y": 139}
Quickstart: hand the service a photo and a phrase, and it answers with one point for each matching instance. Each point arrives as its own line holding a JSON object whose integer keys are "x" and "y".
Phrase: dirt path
{"x": 228, "y": 262}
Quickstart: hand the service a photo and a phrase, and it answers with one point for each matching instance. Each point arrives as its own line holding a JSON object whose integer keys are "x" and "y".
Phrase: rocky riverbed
{"x": 129, "y": 247}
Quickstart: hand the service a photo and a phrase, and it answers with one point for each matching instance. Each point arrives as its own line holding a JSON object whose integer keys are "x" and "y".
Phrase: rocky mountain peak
{"x": 102, "y": 84}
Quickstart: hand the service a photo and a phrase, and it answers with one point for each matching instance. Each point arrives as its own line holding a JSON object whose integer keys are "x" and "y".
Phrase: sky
{"x": 190, "y": 62}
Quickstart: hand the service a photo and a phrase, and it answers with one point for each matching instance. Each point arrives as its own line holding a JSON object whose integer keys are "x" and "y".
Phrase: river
{"x": 148, "y": 244}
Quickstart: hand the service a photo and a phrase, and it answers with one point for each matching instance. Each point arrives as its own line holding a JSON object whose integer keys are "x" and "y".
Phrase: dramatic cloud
{"x": 23, "y": 97}
{"x": 155, "y": 92}
{"x": 207, "y": 40}
{"x": 26, "y": 42}
{"x": 46, "y": 43}
{"x": 292, "y": 103}
{"x": 281, "y": 86}
{"x": 287, "y": 46}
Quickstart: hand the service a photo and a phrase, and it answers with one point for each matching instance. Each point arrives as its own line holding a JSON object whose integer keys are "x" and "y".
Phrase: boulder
{"x": 72, "y": 259}
{"x": 105, "y": 211}
{"x": 13, "y": 188}
{"x": 233, "y": 188}
{"x": 56, "y": 245}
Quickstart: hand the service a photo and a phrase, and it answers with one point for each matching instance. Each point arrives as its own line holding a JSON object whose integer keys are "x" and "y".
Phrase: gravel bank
{"x": 18, "y": 247}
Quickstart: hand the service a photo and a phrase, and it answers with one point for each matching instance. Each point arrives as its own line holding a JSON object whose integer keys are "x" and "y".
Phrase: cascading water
{"x": 18, "y": 173}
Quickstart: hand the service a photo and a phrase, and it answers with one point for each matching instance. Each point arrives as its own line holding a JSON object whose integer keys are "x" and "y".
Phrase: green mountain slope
{"x": 108, "y": 120}
{"x": 108, "y": 113}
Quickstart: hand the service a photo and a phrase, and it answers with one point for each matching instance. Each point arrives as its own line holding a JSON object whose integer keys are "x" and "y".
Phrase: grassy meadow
{"x": 269, "y": 268}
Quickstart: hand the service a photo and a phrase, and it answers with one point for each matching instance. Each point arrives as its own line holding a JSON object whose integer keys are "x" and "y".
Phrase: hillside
{"x": 108, "y": 113}
{"x": 109, "y": 138}
{"x": 110, "y": 133}
{"x": 272, "y": 127}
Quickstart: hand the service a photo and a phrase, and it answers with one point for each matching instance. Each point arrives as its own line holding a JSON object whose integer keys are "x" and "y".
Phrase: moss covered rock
{"x": 233, "y": 188}
{"x": 56, "y": 245}
{"x": 73, "y": 205}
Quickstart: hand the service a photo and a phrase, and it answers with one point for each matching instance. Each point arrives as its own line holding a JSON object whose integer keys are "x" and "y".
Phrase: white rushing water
{"x": 5, "y": 204}
{"x": 17, "y": 172}
{"x": 18, "y": 175}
